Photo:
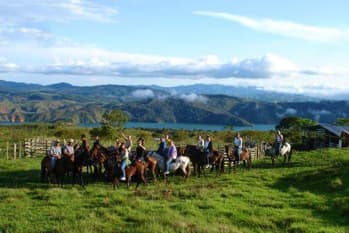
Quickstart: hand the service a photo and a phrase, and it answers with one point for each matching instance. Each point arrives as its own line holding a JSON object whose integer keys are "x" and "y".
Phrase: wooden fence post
{"x": 7, "y": 148}
{"x": 20, "y": 150}
{"x": 14, "y": 150}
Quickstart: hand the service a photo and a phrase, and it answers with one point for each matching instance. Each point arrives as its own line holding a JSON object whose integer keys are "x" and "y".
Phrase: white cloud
{"x": 6, "y": 66}
{"x": 284, "y": 28}
{"x": 143, "y": 94}
{"x": 287, "y": 112}
{"x": 23, "y": 11}
{"x": 193, "y": 98}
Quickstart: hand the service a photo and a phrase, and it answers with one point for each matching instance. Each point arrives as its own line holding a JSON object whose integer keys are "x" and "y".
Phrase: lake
{"x": 187, "y": 126}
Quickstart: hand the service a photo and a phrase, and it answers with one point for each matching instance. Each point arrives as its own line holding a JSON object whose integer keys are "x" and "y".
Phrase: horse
{"x": 197, "y": 157}
{"x": 136, "y": 168}
{"x": 180, "y": 163}
{"x": 245, "y": 156}
{"x": 81, "y": 159}
{"x": 98, "y": 155}
{"x": 217, "y": 161}
{"x": 47, "y": 171}
{"x": 285, "y": 151}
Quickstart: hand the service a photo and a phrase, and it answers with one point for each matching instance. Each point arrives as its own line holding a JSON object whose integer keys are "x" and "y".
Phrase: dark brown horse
{"x": 197, "y": 157}
{"x": 98, "y": 156}
{"x": 81, "y": 159}
{"x": 245, "y": 156}
{"x": 47, "y": 171}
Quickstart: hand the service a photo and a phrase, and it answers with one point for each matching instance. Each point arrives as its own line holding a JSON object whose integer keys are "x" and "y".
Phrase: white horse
{"x": 181, "y": 162}
{"x": 285, "y": 151}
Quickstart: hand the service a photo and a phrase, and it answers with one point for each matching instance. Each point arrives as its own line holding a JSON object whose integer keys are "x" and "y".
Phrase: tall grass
{"x": 310, "y": 195}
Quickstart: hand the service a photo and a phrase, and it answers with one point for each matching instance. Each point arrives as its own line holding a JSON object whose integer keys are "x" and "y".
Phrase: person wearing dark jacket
{"x": 162, "y": 150}
{"x": 208, "y": 148}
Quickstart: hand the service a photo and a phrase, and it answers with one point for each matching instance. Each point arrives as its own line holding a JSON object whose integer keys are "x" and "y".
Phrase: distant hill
{"x": 64, "y": 102}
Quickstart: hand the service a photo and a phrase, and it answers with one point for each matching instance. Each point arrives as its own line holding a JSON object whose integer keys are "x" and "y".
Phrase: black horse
{"x": 198, "y": 159}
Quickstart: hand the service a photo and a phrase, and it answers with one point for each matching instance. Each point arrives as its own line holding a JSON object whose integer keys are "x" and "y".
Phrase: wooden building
{"x": 326, "y": 135}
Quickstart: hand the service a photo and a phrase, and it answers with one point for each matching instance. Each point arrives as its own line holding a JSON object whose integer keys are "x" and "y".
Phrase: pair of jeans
{"x": 237, "y": 155}
{"x": 278, "y": 146}
{"x": 208, "y": 157}
{"x": 53, "y": 161}
{"x": 167, "y": 164}
{"x": 123, "y": 168}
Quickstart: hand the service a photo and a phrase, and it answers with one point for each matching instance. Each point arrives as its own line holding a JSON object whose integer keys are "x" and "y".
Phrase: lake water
{"x": 187, "y": 126}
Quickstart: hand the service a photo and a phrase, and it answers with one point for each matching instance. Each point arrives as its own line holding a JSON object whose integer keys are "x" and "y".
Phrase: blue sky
{"x": 289, "y": 46}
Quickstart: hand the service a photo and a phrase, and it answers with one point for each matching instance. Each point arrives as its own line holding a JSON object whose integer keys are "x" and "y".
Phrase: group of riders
{"x": 167, "y": 149}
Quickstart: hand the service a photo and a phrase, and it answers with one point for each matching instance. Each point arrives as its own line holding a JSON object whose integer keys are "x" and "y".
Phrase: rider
{"x": 128, "y": 142}
{"x": 201, "y": 143}
{"x": 68, "y": 149}
{"x": 140, "y": 149}
{"x": 238, "y": 147}
{"x": 96, "y": 142}
{"x": 171, "y": 155}
{"x": 162, "y": 147}
{"x": 279, "y": 139}
{"x": 55, "y": 153}
{"x": 208, "y": 148}
{"x": 124, "y": 160}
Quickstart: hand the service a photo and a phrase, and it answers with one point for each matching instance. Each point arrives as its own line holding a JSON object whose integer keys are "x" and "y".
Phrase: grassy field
{"x": 312, "y": 195}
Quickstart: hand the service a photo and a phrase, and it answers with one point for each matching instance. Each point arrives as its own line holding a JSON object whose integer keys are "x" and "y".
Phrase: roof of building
{"x": 334, "y": 129}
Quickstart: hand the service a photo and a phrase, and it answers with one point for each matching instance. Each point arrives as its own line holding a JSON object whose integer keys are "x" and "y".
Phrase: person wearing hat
{"x": 68, "y": 149}
{"x": 55, "y": 153}
{"x": 208, "y": 148}
{"x": 279, "y": 139}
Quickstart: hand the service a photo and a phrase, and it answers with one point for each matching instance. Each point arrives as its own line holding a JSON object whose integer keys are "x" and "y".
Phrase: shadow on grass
{"x": 330, "y": 183}
{"x": 31, "y": 179}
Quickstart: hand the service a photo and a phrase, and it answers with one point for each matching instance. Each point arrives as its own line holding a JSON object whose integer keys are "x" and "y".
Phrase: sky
{"x": 288, "y": 46}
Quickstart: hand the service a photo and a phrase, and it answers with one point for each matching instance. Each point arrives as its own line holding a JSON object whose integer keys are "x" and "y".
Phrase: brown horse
{"x": 245, "y": 156}
{"x": 137, "y": 169}
{"x": 47, "y": 171}
{"x": 151, "y": 163}
{"x": 217, "y": 161}
{"x": 98, "y": 156}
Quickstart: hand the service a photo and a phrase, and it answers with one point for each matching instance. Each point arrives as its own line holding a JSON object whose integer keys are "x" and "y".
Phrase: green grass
{"x": 312, "y": 195}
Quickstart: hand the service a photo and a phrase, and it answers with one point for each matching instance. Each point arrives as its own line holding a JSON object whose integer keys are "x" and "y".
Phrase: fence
{"x": 40, "y": 145}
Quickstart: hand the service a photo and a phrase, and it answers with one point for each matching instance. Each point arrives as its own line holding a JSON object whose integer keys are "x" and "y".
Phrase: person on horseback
{"x": 200, "y": 144}
{"x": 128, "y": 142}
{"x": 238, "y": 147}
{"x": 55, "y": 153}
{"x": 140, "y": 149}
{"x": 279, "y": 139}
{"x": 208, "y": 148}
{"x": 124, "y": 160}
{"x": 162, "y": 150}
{"x": 96, "y": 142}
{"x": 68, "y": 149}
{"x": 171, "y": 155}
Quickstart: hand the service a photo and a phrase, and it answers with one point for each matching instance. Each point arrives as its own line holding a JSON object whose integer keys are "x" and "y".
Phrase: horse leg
{"x": 116, "y": 182}
{"x": 285, "y": 157}
{"x": 153, "y": 172}
{"x": 43, "y": 173}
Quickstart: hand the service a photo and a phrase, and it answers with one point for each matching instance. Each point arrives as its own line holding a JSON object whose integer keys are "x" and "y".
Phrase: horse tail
{"x": 188, "y": 170}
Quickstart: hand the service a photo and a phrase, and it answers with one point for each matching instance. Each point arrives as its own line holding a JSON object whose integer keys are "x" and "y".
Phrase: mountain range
{"x": 207, "y": 104}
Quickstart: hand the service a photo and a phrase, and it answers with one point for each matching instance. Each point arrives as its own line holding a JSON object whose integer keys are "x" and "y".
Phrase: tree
{"x": 112, "y": 122}
{"x": 342, "y": 121}
{"x": 293, "y": 127}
